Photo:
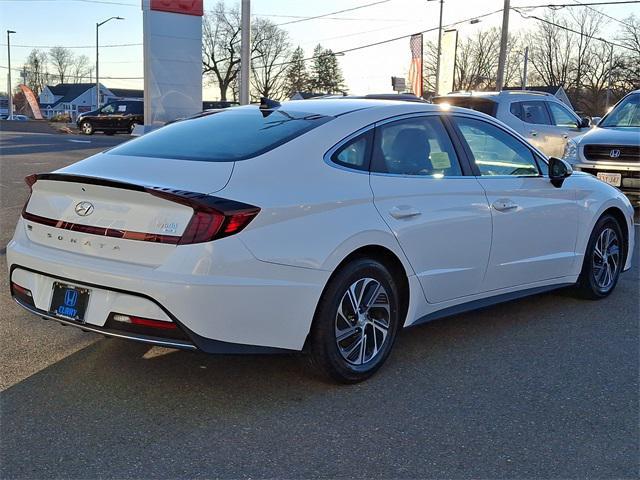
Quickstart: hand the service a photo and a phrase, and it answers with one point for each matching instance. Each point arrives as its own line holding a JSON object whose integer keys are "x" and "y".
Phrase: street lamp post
{"x": 9, "y": 89}
{"x": 439, "y": 47}
{"x": 98, "y": 25}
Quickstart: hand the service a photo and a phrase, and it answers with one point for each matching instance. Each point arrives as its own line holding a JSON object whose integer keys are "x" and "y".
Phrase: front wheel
{"x": 603, "y": 260}
{"x": 86, "y": 128}
{"x": 356, "y": 322}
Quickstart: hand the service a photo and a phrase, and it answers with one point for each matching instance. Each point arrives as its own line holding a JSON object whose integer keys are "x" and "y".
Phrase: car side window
{"x": 561, "y": 115}
{"x": 121, "y": 107}
{"x": 534, "y": 112}
{"x": 496, "y": 152}
{"x": 415, "y": 146}
{"x": 354, "y": 153}
{"x": 109, "y": 108}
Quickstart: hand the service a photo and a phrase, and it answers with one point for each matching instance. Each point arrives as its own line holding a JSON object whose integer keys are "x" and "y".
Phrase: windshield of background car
{"x": 234, "y": 134}
{"x": 474, "y": 103}
{"x": 625, "y": 114}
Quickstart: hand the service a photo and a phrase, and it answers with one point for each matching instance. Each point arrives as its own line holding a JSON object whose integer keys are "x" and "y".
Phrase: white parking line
{"x": 78, "y": 141}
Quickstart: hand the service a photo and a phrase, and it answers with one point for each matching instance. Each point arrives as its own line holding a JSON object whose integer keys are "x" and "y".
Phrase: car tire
{"x": 132, "y": 127}
{"x": 86, "y": 128}
{"x": 347, "y": 345}
{"x": 603, "y": 260}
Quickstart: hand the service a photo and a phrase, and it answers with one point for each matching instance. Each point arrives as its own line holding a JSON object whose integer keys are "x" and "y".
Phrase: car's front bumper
{"x": 630, "y": 174}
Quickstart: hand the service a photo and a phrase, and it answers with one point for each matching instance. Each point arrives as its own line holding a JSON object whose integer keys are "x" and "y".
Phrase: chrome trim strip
{"x": 126, "y": 336}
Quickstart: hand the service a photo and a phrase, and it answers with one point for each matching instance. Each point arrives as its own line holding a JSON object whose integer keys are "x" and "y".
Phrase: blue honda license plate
{"x": 69, "y": 301}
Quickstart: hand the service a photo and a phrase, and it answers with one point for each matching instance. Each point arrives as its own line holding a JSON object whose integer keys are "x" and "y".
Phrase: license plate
{"x": 69, "y": 301}
{"x": 614, "y": 179}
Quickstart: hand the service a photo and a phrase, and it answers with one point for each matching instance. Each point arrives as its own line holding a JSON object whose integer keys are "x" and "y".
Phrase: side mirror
{"x": 595, "y": 120}
{"x": 585, "y": 122}
{"x": 558, "y": 171}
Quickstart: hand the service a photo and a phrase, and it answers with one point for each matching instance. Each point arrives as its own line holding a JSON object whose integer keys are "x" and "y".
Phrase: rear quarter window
{"x": 236, "y": 134}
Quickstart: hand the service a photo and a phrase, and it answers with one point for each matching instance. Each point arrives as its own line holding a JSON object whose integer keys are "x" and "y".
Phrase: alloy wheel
{"x": 606, "y": 259}
{"x": 362, "y": 322}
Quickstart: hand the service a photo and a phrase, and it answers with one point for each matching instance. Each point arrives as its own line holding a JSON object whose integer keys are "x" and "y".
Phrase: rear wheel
{"x": 356, "y": 322}
{"x": 603, "y": 260}
{"x": 132, "y": 127}
{"x": 86, "y": 128}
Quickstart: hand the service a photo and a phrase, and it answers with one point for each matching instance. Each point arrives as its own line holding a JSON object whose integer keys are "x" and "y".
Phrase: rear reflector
{"x": 19, "y": 290}
{"x": 22, "y": 294}
{"x": 144, "y": 322}
{"x": 213, "y": 217}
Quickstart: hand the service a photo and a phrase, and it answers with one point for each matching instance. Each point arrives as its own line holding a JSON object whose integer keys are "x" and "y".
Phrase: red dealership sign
{"x": 187, "y": 7}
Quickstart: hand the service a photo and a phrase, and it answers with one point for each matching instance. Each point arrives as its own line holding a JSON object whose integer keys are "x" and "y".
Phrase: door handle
{"x": 533, "y": 133}
{"x": 504, "y": 205}
{"x": 404, "y": 211}
{"x": 565, "y": 135}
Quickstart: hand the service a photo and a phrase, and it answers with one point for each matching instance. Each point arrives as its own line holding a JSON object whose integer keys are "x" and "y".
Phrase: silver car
{"x": 611, "y": 151}
{"x": 545, "y": 121}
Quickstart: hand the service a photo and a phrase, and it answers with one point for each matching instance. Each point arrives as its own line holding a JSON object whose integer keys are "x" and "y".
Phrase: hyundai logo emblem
{"x": 84, "y": 208}
{"x": 615, "y": 153}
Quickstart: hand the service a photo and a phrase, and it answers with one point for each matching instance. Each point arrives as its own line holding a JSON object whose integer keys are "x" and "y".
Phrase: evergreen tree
{"x": 326, "y": 74}
{"x": 297, "y": 77}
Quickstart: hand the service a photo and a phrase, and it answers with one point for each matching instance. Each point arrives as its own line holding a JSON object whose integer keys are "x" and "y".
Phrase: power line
{"x": 564, "y": 27}
{"x": 602, "y": 13}
{"x": 336, "y": 12}
{"x": 113, "y": 45}
{"x": 560, "y": 5}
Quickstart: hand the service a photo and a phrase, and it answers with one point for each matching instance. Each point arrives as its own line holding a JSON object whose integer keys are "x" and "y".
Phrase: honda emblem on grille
{"x": 615, "y": 153}
{"x": 84, "y": 208}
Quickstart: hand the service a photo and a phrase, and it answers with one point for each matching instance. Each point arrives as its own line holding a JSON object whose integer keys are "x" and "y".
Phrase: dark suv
{"x": 120, "y": 116}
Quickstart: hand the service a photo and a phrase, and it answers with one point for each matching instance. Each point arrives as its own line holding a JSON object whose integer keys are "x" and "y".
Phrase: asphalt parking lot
{"x": 545, "y": 387}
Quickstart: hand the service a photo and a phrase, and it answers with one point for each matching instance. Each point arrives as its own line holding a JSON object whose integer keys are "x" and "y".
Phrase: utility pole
{"x": 9, "y": 89}
{"x": 609, "y": 76}
{"x": 502, "y": 60}
{"x": 526, "y": 64}
{"x": 98, "y": 25}
{"x": 245, "y": 52}
{"x": 439, "y": 48}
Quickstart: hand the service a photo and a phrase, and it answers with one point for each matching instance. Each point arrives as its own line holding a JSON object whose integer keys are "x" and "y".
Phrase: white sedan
{"x": 322, "y": 226}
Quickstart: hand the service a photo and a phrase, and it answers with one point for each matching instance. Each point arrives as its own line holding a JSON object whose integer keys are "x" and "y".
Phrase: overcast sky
{"x": 71, "y": 23}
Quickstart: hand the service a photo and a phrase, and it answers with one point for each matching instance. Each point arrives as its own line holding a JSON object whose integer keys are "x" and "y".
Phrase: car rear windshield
{"x": 234, "y": 134}
{"x": 478, "y": 104}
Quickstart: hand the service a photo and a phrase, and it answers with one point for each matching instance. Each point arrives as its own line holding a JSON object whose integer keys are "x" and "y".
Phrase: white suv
{"x": 611, "y": 151}
{"x": 546, "y": 122}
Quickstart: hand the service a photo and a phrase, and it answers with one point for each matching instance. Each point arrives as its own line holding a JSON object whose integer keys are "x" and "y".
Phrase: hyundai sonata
{"x": 322, "y": 226}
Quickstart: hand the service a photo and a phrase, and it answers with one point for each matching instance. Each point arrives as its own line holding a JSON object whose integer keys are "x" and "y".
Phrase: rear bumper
{"x": 223, "y": 298}
{"x": 161, "y": 342}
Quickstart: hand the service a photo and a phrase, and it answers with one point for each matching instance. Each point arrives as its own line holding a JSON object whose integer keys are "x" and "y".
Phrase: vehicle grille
{"x": 628, "y": 153}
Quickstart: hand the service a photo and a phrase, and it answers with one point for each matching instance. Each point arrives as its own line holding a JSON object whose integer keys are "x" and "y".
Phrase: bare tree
{"x": 36, "y": 70}
{"x": 62, "y": 61}
{"x": 629, "y": 36}
{"x": 81, "y": 68}
{"x": 588, "y": 23}
{"x": 272, "y": 50}
{"x": 221, "y": 46}
{"x": 551, "y": 51}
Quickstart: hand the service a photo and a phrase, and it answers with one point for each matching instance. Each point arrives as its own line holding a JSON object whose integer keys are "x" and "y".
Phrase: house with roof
{"x": 555, "y": 90}
{"x": 75, "y": 98}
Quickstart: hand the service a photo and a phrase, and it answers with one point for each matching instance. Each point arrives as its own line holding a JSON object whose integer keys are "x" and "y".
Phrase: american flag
{"x": 415, "y": 70}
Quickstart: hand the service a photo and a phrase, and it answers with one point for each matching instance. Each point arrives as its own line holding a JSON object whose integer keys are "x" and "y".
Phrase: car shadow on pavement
{"x": 517, "y": 390}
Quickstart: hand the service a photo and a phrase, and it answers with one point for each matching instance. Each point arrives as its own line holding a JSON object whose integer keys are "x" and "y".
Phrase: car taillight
{"x": 213, "y": 217}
